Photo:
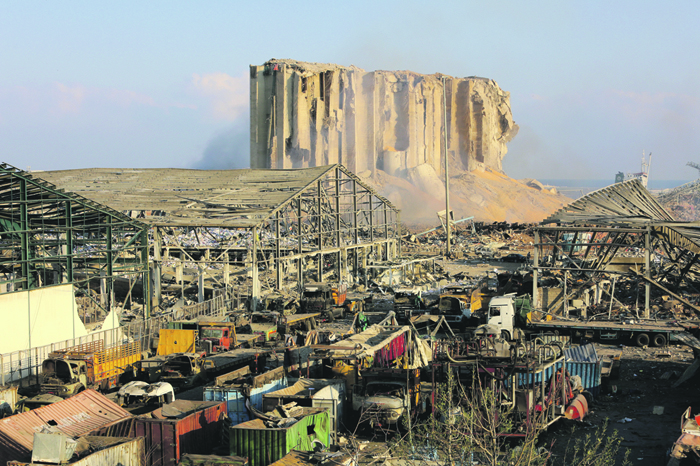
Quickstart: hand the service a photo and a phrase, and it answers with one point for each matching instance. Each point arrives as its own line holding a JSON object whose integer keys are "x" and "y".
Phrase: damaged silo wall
{"x": 311, "y": 114}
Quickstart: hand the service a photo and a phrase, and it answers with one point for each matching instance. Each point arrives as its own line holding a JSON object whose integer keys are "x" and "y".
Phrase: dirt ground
{"x": 645, "y": 383}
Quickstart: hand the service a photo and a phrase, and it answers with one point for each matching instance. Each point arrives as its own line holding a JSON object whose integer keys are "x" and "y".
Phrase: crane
{"x": 694, "y": 165}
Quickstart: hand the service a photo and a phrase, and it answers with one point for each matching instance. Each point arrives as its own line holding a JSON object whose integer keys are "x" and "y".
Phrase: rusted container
{"x": 112, "y": 451}
{"x": 75, "y": 416}
{"x": 177, "y": 428}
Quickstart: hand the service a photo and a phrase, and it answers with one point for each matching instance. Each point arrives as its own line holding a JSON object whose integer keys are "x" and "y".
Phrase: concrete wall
{"x": 309, "y": 114}
{"x": 38, "y": 317}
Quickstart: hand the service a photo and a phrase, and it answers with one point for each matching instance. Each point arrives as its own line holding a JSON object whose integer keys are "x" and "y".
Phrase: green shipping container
{"x": 263, "y": 446}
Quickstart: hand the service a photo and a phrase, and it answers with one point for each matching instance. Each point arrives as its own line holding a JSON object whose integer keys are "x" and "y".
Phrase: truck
{"x": 386, "y": 396}
{"x": 185, "y": 370}
{"x": 90, "y": 365}
{"x": 508, "y": 314}
{"x": 217, "y": 336}
{"x": 406, "y": 302}
{"x": 324, "y": 298}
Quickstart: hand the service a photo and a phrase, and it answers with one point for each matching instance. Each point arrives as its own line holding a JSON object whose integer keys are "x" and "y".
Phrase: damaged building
{"x": 613, "y": 235}
{"x": 311, "y": 114}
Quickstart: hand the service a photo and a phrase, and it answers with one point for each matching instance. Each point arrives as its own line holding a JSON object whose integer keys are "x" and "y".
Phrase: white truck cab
{"x": 501, "y": 315}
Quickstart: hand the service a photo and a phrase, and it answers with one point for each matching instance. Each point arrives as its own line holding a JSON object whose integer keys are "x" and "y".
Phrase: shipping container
{"x": 235, "y": 392}
{"x": 263, "y": 446}
{"x": 177, "y": 428}
{"x": 110, "y": 451}
{"x": 313, "y": 393}
{"x": 75, "y": 416}
{"x": 582, "y": 361}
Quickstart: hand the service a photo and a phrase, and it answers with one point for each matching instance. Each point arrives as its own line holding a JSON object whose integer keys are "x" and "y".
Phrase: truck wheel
{"x": 642, "y": 339}
{"x": 505, "y": 334}
{"x": 659, "y": 340}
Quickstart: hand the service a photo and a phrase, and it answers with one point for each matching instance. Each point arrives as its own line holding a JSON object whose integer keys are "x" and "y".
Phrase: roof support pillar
{"x": 145, "y": 278}
{"x": 300, "y": 272}
{"x": 320, "y": 231}
{"x": 254, "y": 264}
{"x": 278, "y": 261}
{"x": 339, "y": 262}
{"x": 69, "y": 242}
{"x": 647, "y": 272}
{"x": 27, "y": 279}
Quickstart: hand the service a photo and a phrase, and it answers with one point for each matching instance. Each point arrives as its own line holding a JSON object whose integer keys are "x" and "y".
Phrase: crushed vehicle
{"x": 264, "y": 324}
{"x": 386, "y": 396}
{"x": 406, "y": 303}
{"x": 35, "y": 402}
{"x": 150, "y": 369}
{"x": 325, "y": 299}
{"x": 185, "y": 370}
{"x": 138, "y": 394}
{"x": 277, "y": 302}
{"x": 72, "y": 370}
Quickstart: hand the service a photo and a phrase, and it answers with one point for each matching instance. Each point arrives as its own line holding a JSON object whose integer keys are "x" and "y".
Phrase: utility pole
{"x": 447, "y": 171}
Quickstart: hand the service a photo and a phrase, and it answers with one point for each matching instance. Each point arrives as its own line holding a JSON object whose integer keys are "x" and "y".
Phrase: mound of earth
{"x": 487, "y": 195}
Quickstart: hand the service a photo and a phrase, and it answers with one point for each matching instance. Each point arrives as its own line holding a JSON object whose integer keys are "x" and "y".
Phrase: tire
{"x": 642, "y": 339}
{"x": 505, "y": 334}
{"x": 659, "y": 340}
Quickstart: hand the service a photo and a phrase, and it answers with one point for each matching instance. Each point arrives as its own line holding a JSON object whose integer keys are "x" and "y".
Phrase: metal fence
{"x": 25, "y": 366}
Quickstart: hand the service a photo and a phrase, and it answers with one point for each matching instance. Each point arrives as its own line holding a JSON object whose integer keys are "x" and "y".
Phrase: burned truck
{"x": 324, "y": 298}
{"x": 72, "y": 370}
{"x": 386, "y": 396}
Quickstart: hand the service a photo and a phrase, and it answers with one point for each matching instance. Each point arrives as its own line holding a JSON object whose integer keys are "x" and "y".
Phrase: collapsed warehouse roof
{"x": 184, "y": 197}
{"x": 272, "y": 220}
{"x": 622, "y": 229}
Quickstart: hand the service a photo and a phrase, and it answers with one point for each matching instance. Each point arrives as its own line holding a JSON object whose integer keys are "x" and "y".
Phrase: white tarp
{"x": 38, "y": 317}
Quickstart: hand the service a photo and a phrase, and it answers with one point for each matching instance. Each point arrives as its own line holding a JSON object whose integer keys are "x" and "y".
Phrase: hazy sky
{"x": 165, "y": 84}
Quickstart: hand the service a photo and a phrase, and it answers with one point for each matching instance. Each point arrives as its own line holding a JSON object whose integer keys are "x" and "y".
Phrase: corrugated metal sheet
{"x": 129, "y": 452}
{"x": 582, "y": 353}
{"x": 75, "y": 416}
{"x": 263, "y": 446}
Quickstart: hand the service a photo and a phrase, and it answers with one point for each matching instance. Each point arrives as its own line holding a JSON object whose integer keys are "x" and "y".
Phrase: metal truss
{"x": 49, "y": 237}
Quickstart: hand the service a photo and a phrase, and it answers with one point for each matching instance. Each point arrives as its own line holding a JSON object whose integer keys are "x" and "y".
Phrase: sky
{"x": 593, "y": 84}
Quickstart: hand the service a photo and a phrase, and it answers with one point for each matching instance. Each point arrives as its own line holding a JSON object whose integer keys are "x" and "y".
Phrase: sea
{"x": 578, "y": 188}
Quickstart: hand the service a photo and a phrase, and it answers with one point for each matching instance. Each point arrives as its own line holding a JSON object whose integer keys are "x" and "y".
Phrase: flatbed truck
{"x": 508, "y": 313}
{"x": 69, "y": 371}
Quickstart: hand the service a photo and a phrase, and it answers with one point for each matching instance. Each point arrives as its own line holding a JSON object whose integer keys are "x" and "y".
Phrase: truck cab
{"x": 264, "y": 324}
{"x": 507, "y": 313}
{"x": 324, "y": 298}
{"x": 64, "y": 377}
{"x": 222, "y": 335}
{"x": 501, "y": 316}
{"x": 455, "y": 309}
{"x": 384, "y": 397}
